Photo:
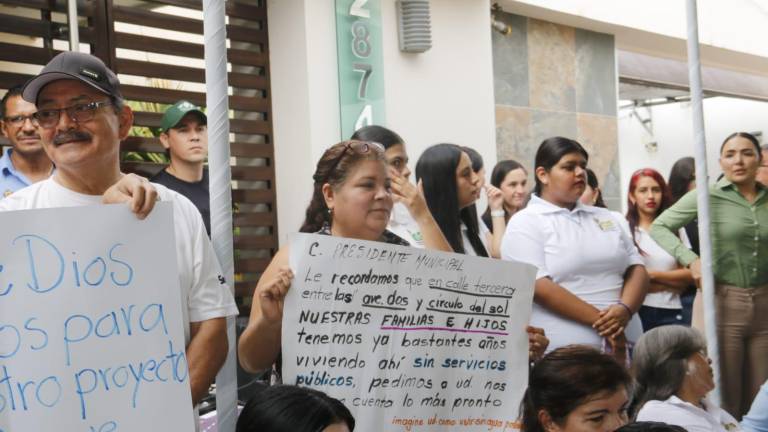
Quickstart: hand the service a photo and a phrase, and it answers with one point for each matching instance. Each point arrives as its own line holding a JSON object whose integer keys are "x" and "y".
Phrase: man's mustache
{"x": 24, "y": 135}
{"x": 71, "y": 136}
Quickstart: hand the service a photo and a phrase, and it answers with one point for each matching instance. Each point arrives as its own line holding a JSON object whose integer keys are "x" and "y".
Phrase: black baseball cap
{"x": 83, "y": 67}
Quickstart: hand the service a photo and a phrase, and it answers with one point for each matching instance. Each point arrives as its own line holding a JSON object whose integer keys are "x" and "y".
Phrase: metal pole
{"x": 702, "y": 192}
{"x": 215, "y": 40}
{"x": 74, "y": 30}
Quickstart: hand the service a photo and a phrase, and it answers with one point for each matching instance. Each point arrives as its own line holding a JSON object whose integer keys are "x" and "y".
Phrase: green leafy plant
{"x": 146, "y": 131}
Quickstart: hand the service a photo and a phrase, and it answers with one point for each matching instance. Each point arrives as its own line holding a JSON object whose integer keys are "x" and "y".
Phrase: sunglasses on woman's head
{"x": 361, "y": 147}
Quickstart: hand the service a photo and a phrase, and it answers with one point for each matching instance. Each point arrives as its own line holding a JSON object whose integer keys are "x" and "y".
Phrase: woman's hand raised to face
{"x": 410, "y": 195}
{"x": 495, "y": 197}
{"x": 272, "y": 294}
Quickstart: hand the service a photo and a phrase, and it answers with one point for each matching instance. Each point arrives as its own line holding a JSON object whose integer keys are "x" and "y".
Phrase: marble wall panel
{"x": 513, "y": 139}
{"x": 610, "y": 186}
{"x": 552, "y": 80}
{"x": 599, "y": 136}
{"x": 547, "y": 124}
{"x": 510, "y": 61}
{"x": 595, "y": 73}
{"x": 551, "y": 66}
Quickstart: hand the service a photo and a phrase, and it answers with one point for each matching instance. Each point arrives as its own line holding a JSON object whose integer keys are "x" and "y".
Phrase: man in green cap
{"x": 185, "y": 137}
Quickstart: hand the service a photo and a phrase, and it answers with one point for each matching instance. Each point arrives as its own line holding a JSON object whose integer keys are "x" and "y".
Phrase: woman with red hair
{"x": 648, "y": 197}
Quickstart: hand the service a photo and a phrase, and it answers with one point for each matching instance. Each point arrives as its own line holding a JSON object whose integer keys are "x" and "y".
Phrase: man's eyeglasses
{"x": 48, "y": 118}
{"x": 19, "y": 120}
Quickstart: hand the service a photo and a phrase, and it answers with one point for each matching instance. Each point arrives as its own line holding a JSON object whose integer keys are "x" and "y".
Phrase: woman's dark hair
{"x": 474, "y": 157}
{"x": 292, "y": 409}
{"x": 592, "y": 182}
{"x": 748, "y": 136}
{"x": 498, "y": 175}
{"x": 650, "y": 426}
{"x": 476, "y": 161}
{"x": 333, "y": 168}
{"x": 680, "y": 177}
{"x": 551, "y": 151}
{"x": 566, "y": 378}
{"x": 660, "y": 361}
{"x": 377, "y": 134}
{"x": 436, "y": 169}
{"x": 503, "y": 168}
{"x": 633, "y": 214}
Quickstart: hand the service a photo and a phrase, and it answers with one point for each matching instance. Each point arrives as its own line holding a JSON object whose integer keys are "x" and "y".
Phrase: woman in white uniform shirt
{"x": 648, "y": 197}
{"x": 673, "y": 376}
{"x": 591, "y": 279}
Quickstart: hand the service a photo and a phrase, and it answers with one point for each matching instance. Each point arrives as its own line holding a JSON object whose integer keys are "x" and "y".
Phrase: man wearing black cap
{"x": 185, "y": 137}
{"x": 82, "y": 119}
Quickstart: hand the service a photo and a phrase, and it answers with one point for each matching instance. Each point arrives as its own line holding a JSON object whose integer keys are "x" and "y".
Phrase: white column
{"x": 217, "y": 103}
{"x": 702, "y": 192}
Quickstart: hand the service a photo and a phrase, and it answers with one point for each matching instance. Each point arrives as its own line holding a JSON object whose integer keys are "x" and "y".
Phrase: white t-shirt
{"x": 676, "y": 411}
{"x": 584, "y": 250}
{"x": 483, "y": 234}
{"x": 202, "y": 293}
{"x": 657, "y": 259}
{"x": 404, "y": 226}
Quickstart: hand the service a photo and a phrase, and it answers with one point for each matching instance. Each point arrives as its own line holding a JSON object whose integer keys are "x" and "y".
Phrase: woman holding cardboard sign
{"x": 591, "y": 279}
{"x": 351, "y": 198}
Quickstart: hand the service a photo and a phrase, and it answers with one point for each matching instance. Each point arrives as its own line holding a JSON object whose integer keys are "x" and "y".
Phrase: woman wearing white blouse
{"x": 673, "y": 376}
{"x": 591, "y": 279}
{"x": 648, "y": 197}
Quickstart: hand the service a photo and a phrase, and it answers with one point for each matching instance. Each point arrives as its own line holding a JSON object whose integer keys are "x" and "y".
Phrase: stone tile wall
{"x": 554, "y": 80}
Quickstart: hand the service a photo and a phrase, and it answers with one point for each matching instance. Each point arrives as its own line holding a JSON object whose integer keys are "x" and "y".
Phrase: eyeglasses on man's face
{"x": 83, "y": 112}
{"x": 18, "y": 120}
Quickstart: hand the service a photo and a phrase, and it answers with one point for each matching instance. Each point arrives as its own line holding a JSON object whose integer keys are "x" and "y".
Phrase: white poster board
{"x": 91, "y": 336}
{"x": 408, "y": 339}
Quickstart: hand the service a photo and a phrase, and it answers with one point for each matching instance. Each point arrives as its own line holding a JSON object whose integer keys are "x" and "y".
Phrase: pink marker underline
{"x": 445, "y": 329}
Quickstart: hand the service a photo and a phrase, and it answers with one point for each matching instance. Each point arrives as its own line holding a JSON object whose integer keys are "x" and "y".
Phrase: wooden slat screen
{"x": 33, "y": 31}
{"x": 156, "y": 48}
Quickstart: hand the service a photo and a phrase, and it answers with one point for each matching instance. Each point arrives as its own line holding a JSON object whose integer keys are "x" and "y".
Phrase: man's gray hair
{"x": 660, "y": 361}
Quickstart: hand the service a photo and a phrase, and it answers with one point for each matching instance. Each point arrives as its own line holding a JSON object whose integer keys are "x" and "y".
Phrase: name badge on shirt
{"x": 7, "y": 193}
{"x": 605, "y": 225}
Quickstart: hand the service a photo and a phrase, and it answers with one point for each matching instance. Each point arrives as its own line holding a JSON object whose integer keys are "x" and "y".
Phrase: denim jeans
{"x": 653, "y": 317}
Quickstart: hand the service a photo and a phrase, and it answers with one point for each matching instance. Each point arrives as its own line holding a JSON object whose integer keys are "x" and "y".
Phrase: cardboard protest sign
{"x": 91, "y": 327}
{"x": 408, "y": 339}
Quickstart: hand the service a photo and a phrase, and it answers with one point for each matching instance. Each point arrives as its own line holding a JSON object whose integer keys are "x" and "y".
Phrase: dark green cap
{"x": 177, "y": 111}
